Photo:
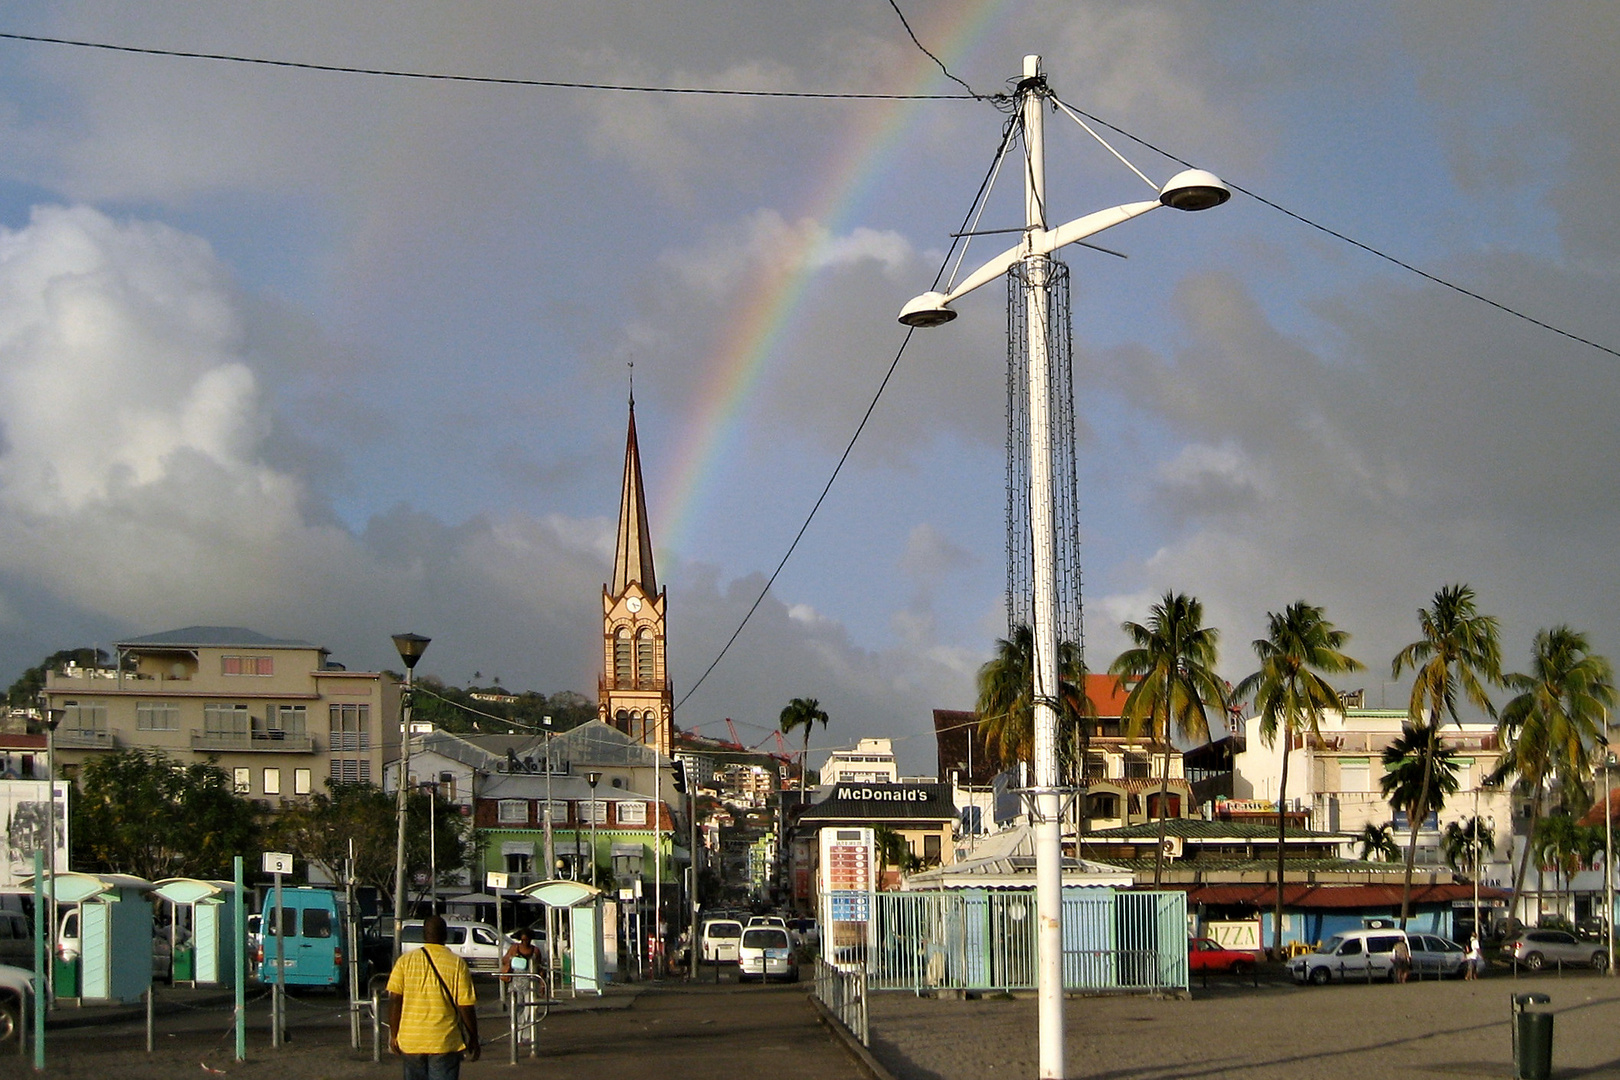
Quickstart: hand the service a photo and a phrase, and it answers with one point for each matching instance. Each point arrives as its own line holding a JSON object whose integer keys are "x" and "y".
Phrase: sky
{"x": 336, "y": 356}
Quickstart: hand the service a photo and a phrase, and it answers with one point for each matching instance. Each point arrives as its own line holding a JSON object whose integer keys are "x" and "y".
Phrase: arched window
{"x": 621, "y": 720}
{"x": 644, "y": 659}
{"x": 621, "y": 657}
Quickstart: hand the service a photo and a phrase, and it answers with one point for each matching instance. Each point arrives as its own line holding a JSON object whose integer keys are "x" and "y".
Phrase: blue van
{"x": 314, "y": 951}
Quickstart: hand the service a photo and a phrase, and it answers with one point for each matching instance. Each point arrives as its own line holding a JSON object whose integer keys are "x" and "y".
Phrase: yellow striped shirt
{"x": 427, "y": 1022}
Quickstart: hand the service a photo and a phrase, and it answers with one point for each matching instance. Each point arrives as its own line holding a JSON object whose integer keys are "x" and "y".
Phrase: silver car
{"x": 766, "y": 953}
{"x": 1536, "y": 949}
{"x": 16, "y": 1001}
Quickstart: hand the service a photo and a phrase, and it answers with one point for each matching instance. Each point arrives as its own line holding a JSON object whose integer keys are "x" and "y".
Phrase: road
{"x": 671, "y": 1033}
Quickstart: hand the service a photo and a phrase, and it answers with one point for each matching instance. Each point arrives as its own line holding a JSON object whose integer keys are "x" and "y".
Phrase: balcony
{"x": 86, "y": 739}
{"x": 258, "y": 742}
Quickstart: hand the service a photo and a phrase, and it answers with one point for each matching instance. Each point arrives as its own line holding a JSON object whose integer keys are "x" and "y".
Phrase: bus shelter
{"x": 105, "y": 937}
{"x": 580, "y": 907}
{"x": 205, "y": 942}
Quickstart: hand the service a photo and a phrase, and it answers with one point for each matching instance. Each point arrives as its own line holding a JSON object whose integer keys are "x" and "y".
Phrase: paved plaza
{"x": 728, "y": 1032}
{"x": 1272, "y": 1032}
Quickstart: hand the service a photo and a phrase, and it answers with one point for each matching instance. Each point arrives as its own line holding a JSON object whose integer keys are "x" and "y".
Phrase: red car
{"x": 1208, "y": 956}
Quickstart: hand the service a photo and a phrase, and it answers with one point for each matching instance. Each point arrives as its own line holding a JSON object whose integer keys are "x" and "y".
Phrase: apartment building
{"x": 275, "y": 714}
{"x": 1335, "y": 780}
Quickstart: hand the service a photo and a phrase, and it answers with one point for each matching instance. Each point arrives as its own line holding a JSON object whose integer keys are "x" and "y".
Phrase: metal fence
{"x": 843, "y": 991}
{"x": 984, "y": 940}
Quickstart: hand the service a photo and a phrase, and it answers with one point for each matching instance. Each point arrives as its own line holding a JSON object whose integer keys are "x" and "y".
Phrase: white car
{"x": 479, "y": 944}
{"x": 16, "y": 998}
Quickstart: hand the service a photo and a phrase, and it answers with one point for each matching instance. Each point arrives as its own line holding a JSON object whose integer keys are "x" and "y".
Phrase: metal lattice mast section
{"x": 1020, "y": 597}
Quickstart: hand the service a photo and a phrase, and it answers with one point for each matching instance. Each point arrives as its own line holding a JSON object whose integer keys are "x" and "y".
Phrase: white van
{"x": 479, "y": 944}
{"x": 1353, "y": 956}
{"x": 722, "y": 939}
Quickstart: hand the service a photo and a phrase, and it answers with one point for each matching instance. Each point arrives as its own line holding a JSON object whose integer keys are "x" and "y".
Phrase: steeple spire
{"x": 633, "y": 559}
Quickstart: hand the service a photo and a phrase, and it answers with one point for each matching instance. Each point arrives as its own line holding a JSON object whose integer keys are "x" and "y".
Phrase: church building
{"x": 634, "y": 693}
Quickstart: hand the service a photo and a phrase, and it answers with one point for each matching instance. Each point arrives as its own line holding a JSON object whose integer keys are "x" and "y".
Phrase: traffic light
{"x": 679, "y": 770}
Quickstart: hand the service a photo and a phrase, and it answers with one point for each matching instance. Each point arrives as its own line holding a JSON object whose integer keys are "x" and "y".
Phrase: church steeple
{"x": 635, "y": 694}
{"x": 633, "y": 560}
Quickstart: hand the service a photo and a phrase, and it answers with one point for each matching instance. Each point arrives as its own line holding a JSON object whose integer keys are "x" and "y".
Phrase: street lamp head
{"x": 1194, "y": 189}
{"x": 927, "y": 310}
{"x": 53, "y": 717}
{"x": 411, "y": 647}
{"x": 593, "y": 778}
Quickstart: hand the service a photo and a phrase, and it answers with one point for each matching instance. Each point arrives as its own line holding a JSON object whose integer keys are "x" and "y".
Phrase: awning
{"x": 518, "y": 847}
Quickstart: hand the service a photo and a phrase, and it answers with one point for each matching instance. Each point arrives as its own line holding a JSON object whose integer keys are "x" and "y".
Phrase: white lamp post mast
{"x": 1193, "y": 189}
{"x": 1048, "y": 838}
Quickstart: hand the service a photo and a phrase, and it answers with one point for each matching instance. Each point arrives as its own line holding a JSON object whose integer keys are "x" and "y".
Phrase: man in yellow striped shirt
{"x": 432, "y": 1008}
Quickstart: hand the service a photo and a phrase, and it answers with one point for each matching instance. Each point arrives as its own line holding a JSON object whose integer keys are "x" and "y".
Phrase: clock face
{"x": 634, "y": 604}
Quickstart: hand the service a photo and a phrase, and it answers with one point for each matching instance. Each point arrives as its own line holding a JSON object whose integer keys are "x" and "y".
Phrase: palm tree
{"x": 1420, "y": 772}
{"x": 1291, "y": 695}
{"x": 1171, "y": 667}
{"x": 1459, "y": 648}
{"x": 1551, "y": 727}
{"x": 1565, "y": 847}
{"x": 1466, "y": 844}
{"x": 1006, "y": 695}
{"x": 806, "y": 713}
{"x": 1379, "y": 841}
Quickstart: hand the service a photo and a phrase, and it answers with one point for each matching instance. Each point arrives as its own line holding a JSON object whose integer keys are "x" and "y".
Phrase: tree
{"x": 1564, "y": 847}
{"x": 1172, "y": 664}
{"x": 24, "y": 693}
{"x": 360, "y": 821}
{"x": 1378, "y": 842}
{"x": 1006, "y": 697}
{"x": 1551, "y": 727}
{"x": 1467, "y": 844}
{"x": 1420, "y": 772}
{"x": 1291, "y": 695}
{"x": 1458, "y": 653}
{"x": 892, "y": 850}
{"x": 806, "y": 713}
{"x": 143, "y": 813}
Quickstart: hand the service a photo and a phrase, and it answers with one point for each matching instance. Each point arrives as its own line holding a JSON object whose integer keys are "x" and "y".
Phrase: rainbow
{"x": 742, "y": 357}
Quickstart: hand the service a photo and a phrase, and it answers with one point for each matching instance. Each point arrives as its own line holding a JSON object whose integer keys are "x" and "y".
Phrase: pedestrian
{"x": 1476, "y": 957}
{"x": 525, "y": 960}
{"x": 432, "y": 1008}
{"x": 1403, "y": 959}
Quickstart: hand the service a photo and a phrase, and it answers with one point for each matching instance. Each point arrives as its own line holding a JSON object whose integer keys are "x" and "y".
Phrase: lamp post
{"x": 53, "y": 717}
{"x": 411, "y": 647}
{"x": 1193, "y": 189}
{"x": 593, "y": 778}
{"x": 1608, "y": 851}
{"x": 551, "y": 769}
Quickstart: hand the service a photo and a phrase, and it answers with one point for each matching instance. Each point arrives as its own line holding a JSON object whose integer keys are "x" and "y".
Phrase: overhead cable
{"x": 490, "y": 80}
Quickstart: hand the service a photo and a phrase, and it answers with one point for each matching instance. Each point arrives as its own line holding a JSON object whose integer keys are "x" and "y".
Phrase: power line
{"x": 489, "y": 80}
{"x": 1368, "y": 248}
{"x": 912, "y": 34}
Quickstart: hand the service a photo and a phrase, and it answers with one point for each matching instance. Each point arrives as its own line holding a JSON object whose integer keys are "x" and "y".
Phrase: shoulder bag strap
{"x": 455, "y": 1010}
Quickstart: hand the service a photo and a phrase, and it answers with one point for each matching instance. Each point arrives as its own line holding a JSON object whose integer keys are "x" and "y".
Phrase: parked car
{"x": 16, "y": 939}
{"x": 1206, "y": 956}
{"x": 1353, "y": 956}
{"x": 1535, "y": 949}
{"x": 765, "y": 953}
{"x": 1435, "y": 955}
{"x": 721, "y": 940}
{"x": 478, "y": 943}
{"x": 16, "y": 999}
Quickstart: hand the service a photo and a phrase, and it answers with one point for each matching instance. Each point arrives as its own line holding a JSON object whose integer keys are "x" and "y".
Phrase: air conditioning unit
{"x": 1172, "y": 846}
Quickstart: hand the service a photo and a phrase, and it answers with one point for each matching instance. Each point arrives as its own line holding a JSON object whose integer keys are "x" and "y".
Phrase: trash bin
{"x": 1532, "y": 1038}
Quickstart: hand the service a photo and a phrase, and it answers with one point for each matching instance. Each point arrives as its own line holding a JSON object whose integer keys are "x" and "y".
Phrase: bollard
{"x": 376, "y": 1024}
{"x": 149, "y": 1018}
